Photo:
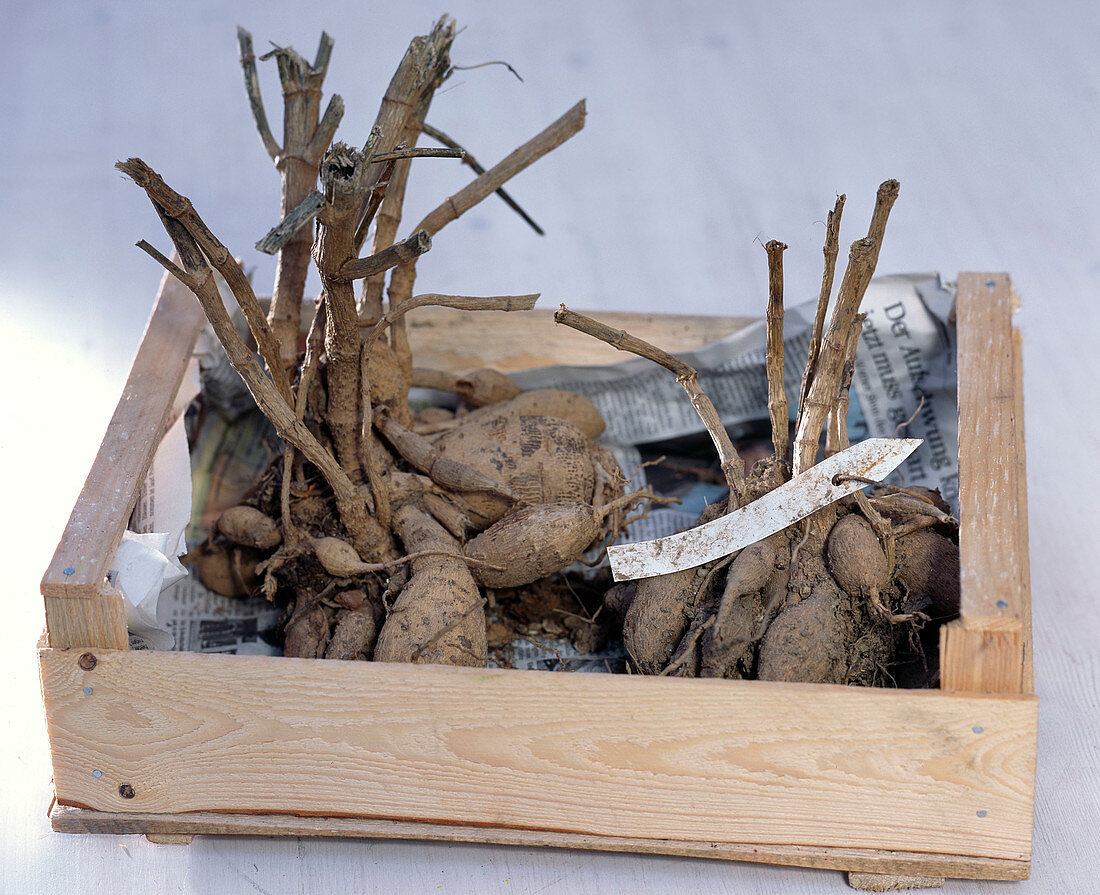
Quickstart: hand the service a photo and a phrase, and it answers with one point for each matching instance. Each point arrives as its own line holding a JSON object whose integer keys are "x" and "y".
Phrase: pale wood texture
{"x": 170, "y": 838}
{"x": 892, "y": 882}
{"x": 1022, "y": 534}
{"x": 98, "y": 620}
{"x": 81, "y": 610}
{"x": 699, "y": 760}
{"x": 989, "y": 649}
{"x": 65, "y": 819}
{"x": 443, "y": 339}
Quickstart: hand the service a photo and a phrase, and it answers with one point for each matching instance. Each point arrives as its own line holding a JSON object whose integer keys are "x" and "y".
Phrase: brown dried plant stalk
{"x": 777, "y": 396}
{"x": 425, "y": 66}
{"x": 733, "y": 467}
{"x": 306, "y": 136}
{"x": 404, "y": 276}
{"x": 369, "y": 539}
{"x": 830, "y": 250}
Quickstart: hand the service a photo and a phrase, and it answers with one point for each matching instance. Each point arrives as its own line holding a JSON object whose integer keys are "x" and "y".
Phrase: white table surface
{"x": 710, "y": 125}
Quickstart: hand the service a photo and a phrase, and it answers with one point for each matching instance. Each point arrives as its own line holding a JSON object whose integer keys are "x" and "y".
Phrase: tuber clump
{"x": 386, "y": 534}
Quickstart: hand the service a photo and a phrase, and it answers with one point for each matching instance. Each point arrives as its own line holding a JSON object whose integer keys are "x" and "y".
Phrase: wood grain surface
{"x": 698, "y": 760}
{"x": 446, "y": 339}
{"x": 81, "y": 610}
{"x": 161, "y": 827}
{"x": 988, "y": 649}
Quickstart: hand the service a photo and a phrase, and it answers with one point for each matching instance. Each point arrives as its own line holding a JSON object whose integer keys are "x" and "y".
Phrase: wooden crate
{"x": 934, "y": 783}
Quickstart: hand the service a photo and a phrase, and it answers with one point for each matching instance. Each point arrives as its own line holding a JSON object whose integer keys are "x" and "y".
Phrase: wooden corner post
{"x": 82, "y": 607}
{"x": 988, "y": 649}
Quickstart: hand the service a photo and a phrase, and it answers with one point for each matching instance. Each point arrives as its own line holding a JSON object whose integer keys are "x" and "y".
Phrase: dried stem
{"x": 255, "y": 100}
{"x": 831, "y": 250}
{"x": 180, "y": 208}
{"x": 291, "y": 535}
{"x": 826, "y": 381}
{"x": 402, "y": 279}
{"x": 399, "y": 253}
{"x": 836, "y": 436}
{"x": 825, "y": 378}
{"x": 306, "y": 136}
{"x": 458, "y": 302}
{"x": 370, "y": 448}
{"x": 733, "y": 467}
{"x": 315, "y": 341}
{"x": 425, "y": 66}
{"x": 884, "y": 201}
{"x": 370, "y": 541}
{"x": 476, "y": 167}
{"x": 279, "y": 235}
{"x": 777, "y": 397}
{"x": 407, "y": 152}
{"x": 422, "y": 68}
{"x": 344, "y": 171}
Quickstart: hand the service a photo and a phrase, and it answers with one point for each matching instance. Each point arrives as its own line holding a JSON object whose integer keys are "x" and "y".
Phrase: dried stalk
{"x": 402, "y": 279}
{"x": 180, "y": 208}
{"x": 409, "y": 152}
{"x": 344, "y": 172}
{"x": 825, "y": 378}
{"x": 255, "y": 100}
{"x": 836, "y": 436}
{"x": 425, "y": 66}
{"x": 371, "y": 542}
{"x": 777, "y": 397}
{"x": 476, "y": 167}
{"x": 884, "y": 201}
{"x": 315, "y": 341}
{"x": 306, "y": 136}
{"x": 399, "y": 253}
{"x": 733, "y": 467}
{"x": 370, "y": 448}
{"x": 349, "y": 179}
{"x": 279, "y": 235}
{"x": 291, "y": 535}
{"x": 826, "y": 381}
{"x": 422, "y": 68}
{"x": 831, "y": 250}
{"x": 458, "y": 302}
{"x": 404, "y": 276}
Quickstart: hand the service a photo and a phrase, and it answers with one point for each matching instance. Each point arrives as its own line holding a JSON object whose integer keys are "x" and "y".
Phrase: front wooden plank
{"x": 988, "y": 649}
{"x": 157, "y": 827}
{"x": 80, "y": 609}
{"x": 689, "y": 760}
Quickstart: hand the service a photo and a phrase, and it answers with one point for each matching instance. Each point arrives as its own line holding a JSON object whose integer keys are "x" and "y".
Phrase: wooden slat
{"x": 82, "y": 820}
{"x": 460, "y": 341}
{"x": 982, "y": 656}
{"x": 74, "y": 583}
{"x": 985, "y": 650}
{"x": 749, "y": 763}
{"x": 1028, "y": 682}
{"x": 98, "y": 620}
{"x": 95, "y": 527}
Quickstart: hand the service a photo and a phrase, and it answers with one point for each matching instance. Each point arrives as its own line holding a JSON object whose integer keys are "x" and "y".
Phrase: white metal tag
{"x": 803, "y": 495}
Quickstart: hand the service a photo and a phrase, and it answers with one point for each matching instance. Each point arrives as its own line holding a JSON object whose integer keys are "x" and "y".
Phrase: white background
{"x": 711, "y": 127}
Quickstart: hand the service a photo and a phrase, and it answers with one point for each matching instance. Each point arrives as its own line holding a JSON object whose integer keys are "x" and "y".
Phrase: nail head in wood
{"x": 87, "y": 661}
